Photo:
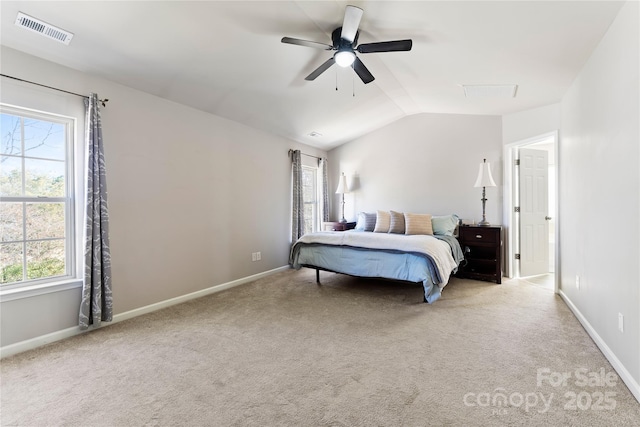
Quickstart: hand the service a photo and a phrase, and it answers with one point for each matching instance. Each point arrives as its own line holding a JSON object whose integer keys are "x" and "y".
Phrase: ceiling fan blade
{"x": 352, "y": 16}
{"x": 362, "y": 71}
{"x": 391, "y": 46}
{"x": 306, "y": 43}
{"x": 321, "y": 69}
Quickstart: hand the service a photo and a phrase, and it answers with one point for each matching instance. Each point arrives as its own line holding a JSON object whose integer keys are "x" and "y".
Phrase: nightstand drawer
{"x": 479, "y": 234}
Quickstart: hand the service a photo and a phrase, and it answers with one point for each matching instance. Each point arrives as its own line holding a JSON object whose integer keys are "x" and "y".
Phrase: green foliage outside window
{"x": 32, "y": 212}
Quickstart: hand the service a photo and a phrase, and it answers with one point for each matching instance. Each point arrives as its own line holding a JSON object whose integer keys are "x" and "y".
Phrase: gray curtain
{"x": 297, "y": 203}
{"x": 325, "y": 189}
{"x": 97, "y": 301}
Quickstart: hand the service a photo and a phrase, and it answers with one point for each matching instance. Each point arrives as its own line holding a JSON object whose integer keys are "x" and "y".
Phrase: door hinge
{"x": 516, "y": 209}
{"x": 516, "y": 162}
{"x": 517, "y": 256}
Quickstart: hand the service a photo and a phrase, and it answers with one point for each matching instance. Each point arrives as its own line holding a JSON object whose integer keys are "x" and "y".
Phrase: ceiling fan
{"x": 345, "y": 39}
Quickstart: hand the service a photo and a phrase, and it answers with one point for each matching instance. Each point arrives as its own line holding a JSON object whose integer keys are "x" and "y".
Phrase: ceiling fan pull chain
{"x": 336, "y": 79}
{"x": 353, "y": 81}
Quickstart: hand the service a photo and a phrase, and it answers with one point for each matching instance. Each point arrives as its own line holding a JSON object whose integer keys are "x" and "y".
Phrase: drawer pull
{"x": 478, "y": 236}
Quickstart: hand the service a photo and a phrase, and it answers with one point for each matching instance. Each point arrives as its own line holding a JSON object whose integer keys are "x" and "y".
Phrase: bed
{"x": 426, "y": 259}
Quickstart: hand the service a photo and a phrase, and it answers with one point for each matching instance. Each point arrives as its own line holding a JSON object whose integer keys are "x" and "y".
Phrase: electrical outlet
{"x": 577, "y": 282}
{"x": 254, "y": 256}
{"x": 621, "y": 322}
{"x": 258, "y": 256}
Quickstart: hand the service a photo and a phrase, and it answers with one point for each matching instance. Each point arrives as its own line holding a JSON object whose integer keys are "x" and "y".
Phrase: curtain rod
{"x": 305, "y": 154}
{"x": 103, "y": 101}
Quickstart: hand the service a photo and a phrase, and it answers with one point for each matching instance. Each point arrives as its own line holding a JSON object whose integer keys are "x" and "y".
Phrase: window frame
{"x": 316, "y": 201}
{"x": 71, "y": 277}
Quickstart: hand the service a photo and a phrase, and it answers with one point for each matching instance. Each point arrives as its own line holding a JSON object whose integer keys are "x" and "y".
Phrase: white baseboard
{"x": 32, "y": 343}
{"x": 624, "y": 374}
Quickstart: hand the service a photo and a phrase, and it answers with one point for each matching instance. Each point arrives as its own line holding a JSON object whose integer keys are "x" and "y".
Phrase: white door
{"x": 534, "y": 211}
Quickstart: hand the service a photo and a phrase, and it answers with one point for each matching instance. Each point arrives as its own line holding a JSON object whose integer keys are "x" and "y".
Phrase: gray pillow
{"x": 366, "y": 221}
{"x": 397, "y": 222}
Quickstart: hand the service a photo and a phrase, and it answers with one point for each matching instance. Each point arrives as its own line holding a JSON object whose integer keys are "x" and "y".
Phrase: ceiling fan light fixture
{"x": 344, "y": 58}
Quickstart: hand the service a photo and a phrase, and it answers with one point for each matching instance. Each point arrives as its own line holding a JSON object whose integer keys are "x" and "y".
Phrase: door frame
{"x": 509, "y": 216}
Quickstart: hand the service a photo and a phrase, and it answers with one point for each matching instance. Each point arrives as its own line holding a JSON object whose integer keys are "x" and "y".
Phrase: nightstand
{"x": 482, "y": 248}
{"x": 338, "y": 226}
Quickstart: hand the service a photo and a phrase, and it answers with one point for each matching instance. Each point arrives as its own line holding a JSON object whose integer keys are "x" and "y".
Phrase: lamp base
{"x": 484, "y": 222}
{"x": 343, "y": 220}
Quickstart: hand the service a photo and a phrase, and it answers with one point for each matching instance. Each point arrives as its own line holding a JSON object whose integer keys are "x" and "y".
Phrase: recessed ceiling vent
{"x": 40, "y": 27}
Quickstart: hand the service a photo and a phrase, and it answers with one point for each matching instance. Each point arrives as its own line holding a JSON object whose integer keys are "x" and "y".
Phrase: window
{"x": 310, "y": 198}
{"x": 37, "y": 243}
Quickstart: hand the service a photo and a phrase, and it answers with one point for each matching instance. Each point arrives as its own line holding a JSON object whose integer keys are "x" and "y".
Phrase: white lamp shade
{"x": 484, "y": 176}
{"x": 342, "y": 185}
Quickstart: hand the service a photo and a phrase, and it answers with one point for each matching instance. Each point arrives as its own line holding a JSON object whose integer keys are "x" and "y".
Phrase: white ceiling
{"x": 226, "y": 57}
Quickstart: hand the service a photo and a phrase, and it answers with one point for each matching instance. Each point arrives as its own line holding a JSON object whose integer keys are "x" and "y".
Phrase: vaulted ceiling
{"x": 225, "y": 57}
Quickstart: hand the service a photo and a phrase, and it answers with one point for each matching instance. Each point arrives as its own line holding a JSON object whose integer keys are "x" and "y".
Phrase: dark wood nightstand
{"x": 338, "y": 226}
{"x": 482, "y": 248}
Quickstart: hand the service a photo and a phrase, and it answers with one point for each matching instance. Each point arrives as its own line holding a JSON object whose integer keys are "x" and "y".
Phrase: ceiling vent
{"x": 40, "y": 27}
{"x": 490, "y": 91}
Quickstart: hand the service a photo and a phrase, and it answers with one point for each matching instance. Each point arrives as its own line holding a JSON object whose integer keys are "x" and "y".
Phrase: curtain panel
{"x": 324, "y": 173}
{"x": 297, "y": 203}
{"x": 97, "y": 300}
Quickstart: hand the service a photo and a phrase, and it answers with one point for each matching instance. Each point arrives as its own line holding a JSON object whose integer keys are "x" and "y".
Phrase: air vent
{"x": 490, "y": 91}
{"x": 40, "y": 27}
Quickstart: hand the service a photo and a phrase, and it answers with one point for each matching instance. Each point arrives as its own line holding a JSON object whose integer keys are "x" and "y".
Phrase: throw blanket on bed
{"x": 456, "y": 250}
{"x": 434, "y": 249}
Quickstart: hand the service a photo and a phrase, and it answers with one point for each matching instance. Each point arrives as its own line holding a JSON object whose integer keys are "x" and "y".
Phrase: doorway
{"x": 518, "y": 241}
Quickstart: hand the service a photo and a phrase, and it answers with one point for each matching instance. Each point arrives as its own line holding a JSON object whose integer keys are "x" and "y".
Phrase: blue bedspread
{"x": 378, "y": 263}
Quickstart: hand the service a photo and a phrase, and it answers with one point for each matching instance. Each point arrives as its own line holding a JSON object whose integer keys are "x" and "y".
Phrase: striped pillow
{"x": 383, "y": 221}
{"x": 417, "y": 224}
{"x": 397, "y": 222}
{"x": 366, "y": 221}
{"x": 370, "y": 223}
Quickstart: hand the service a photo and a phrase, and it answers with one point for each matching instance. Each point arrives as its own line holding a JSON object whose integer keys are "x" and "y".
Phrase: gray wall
{"x": 530, "y": 123}
{"x": 191, "y": 196}
{"x": 600, "y": 190}
{"x": 425, "y": 163}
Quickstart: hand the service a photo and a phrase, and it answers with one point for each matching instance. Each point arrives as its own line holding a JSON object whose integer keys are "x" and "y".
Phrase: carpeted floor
{"x": 283, "y": 351}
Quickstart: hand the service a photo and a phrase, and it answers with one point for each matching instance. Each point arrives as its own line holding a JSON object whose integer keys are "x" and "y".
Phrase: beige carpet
{"x": 283, "y": 351}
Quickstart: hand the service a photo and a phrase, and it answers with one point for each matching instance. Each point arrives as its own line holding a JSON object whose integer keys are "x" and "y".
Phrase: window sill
{"x": 38, "y": 289}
